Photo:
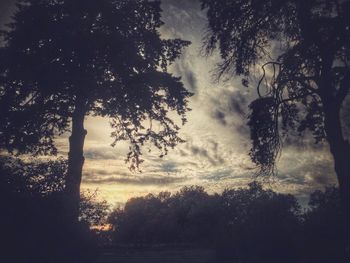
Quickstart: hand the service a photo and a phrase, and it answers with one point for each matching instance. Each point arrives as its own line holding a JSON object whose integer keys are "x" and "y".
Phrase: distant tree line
{"x": 249, "y": 224}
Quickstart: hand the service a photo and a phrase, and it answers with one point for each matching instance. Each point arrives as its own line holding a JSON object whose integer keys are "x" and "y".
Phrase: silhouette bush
{"x": 246, "y": 223}
{"x": 325, "y": 228}
{"x": 185, "y": 217}
{"x": 250, "y": 224}
{"x": 258, "y": 224}
{"x": 35, "y": 227}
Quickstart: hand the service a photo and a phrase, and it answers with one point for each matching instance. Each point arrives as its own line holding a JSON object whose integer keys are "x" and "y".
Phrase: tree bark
{"x": 339, "y": 147}
{"x": 75, "y": 159}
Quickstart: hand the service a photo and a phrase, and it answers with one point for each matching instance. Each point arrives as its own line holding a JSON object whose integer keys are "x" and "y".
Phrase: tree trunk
{"x": 75, "y": 159}
{"x": 340, "y": 149}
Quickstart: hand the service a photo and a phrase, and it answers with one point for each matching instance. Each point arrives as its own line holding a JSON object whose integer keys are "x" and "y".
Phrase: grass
{"x": 157, "y": 255}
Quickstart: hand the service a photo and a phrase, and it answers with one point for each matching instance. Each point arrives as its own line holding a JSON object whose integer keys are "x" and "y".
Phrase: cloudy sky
{"x": 215, "y": 153}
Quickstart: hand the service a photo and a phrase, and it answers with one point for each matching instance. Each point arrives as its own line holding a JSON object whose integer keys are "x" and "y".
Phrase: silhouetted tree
{"x": 325, "y": 229}
{"x": 246, "y": 223}
{"x": 92, "y": 211}
{"x": 196, "y": 214}
{"x": 258, "y": 224}
{"x": 188, "y": 216}
{"x": 32, "y": 177}
{"x": 64, "y": 60}
{"x": 146, "y": 220}
{"x": 304, "y": 49}
{"x": 33, "y": 214}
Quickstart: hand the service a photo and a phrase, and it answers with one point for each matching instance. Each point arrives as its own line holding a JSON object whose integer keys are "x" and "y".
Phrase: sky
{"x": 215, "y": 154}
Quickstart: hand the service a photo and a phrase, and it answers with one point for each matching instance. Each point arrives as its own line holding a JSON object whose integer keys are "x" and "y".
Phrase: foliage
{"x": 46, "y": 179}
{"x": 165, "y": 218}
{"x": 94, "y": 212}
{"x": 33, "y": 213}
{"x": 243, "y": 223}
{"x": 261, "y": 221}
{"x": 32, "y": 177}
{"x": 101, "y": 58}
{"x": 303, "y": 49}
{"x": 250, "y": 224}
{"x": 325, "y": 232}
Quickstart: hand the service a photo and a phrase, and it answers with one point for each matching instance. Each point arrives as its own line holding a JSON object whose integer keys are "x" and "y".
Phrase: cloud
{"x": 220, "y": 116}
{"x": 6, "y": 9}
{"x": 101, "y": 153}
{"x": 303, "y": 171}
{"x": 183, "y": 153}
{"x": 211, "y": 157}
{"x": 321, "y": 174}
{"x": 169, "y": 167}
{"x": 229, "y": 106}
{"x": 220, "y": 175}
{"x": 184, "y": 69}
{"x": 100, "y": 173}
{"x": 136, "y": 180}
{"x": 238, "y": 103}
{"x": 216, "y": 152}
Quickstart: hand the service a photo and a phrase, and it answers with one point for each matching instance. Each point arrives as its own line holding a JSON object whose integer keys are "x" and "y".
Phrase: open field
{"x": 158, "y": 255}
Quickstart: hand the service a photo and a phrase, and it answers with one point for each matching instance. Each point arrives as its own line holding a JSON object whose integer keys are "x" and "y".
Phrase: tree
{"x": 91, "y": 210}
{"x": 304, "y": 49}
{"x": 31, "y": 195}
{"x": 245, "y": 224}
{"x": 64, "y": 60}
{"x": 188, "y": 216}
{"x": 32, "y": 178}
{"x": 36, "y": 181}
{"x": 325, "y": 227}
{"x": 258, "y": 224}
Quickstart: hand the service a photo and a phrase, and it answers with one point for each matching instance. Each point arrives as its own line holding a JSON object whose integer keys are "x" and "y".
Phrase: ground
{"x": 158, "y": 255}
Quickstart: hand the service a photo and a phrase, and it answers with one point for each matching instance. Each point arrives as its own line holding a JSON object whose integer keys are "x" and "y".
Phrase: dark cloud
{"x": 230, "y": 109}
{"x": 169, "y": 167}
{"x": 100, "y": 173}
{"x": 191, "y": 80}
{"x": 238, "y": 103}
{"x": 216, "y": 152}
{"x": 100, "y": 154}
{"x": 344, "y": 115}
{"x": 219, "y": 175}
{"x": 6, "y": 9}
{"x": 213, "y": 158}
{"x": 105, "y": 176}
{"x": 311, "y": 169}
{"x": 183, "y": 17}
{"x": 183, "y": 153}
{"x": 183, "y": 4}
{"x": 323, "y": 179}
{"x": 321, "y": 174}
{"x": 220, "y": 116}
{"x": 135, "y": 180}
{"x": 199, "y": 151}
{"x": 303, "y": 142}
{"x": 184, "y": 69}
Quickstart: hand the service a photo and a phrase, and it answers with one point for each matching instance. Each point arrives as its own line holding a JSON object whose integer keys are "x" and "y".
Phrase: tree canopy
{"x": 105, "y": 56}
{"x": 302, "y": 50}
{"x": 245, "y": 223}
{"x": 64, "y": 60}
